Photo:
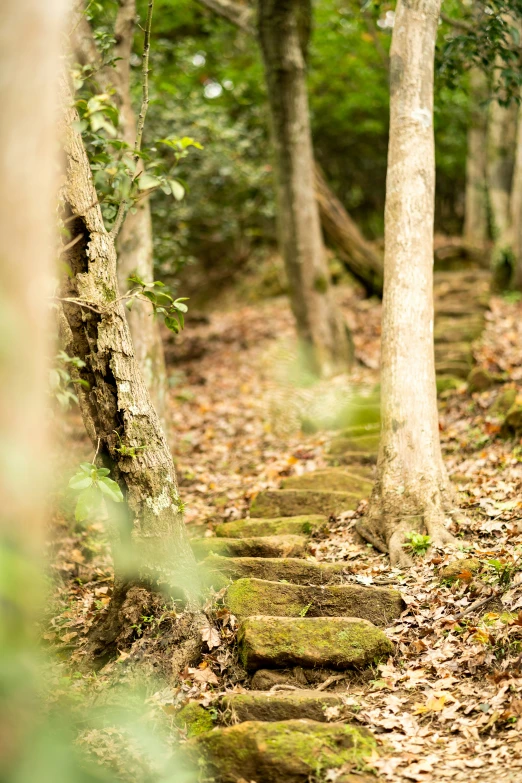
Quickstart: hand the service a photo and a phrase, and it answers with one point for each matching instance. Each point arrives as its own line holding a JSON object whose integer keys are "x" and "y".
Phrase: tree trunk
{"x": 356, "y": 253}
{"x": 411, "y": 491}
{"x": 359, "y": 256}
{"x": 516, "y": 207}
{"x": 284, "y": 29}
{"x": 476, "y": 216}
{"x": 134, "y": 244}
{"x": 117, "y": 408}
{"x": 501, "y": 133}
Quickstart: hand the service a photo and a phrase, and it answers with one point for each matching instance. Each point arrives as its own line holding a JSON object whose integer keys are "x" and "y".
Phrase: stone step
{"x": 270, "y": 706}
{"x": 292, "y": 502}
{"x": 305, "y": 525}
{"x": 331, "y": 479}
{"x": 461, "y": 330}
{"x": 218, "y": 570}
{"x": 362, "y": 444}
{"x": 265, "y": 546}
{"x": 329, "y": 642}
{"x": 247, "y": 597}
{"x": 295, "y": 751}
{"x": 352, "y": 458}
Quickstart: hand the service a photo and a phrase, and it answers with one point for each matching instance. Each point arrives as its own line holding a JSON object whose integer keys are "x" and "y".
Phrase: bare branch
{"x": 458, "y": 24}
{"x": 241, "y": 16}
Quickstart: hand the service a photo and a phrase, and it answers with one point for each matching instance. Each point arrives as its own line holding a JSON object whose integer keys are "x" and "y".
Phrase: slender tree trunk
{"x": 516, "y": 207}
{"x": 117, "y": 408}
{"x": 500, "y": 152}
{"x": 284, "y": 29}
{"x": 134, "y": 244}
{"x": 476, "y": 216}
{"x": 411, "y": 491}
{"x": 359, "y": 256}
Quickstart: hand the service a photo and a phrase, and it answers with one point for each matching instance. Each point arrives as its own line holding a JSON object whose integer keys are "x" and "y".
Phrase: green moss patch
{"x": 248, "y": 597}
{"x": 217, "y": 570}
{"x": 305, "y": 524}
{"x": 329, "y": 642}
{"x": 331, "y": 480}
{"x": 294, "y": 751}
{"x": 278, "y": 705}
{"x": 292, "y": 502}
{"x": 194, "y": 719}
{"x": 269, "y": 546}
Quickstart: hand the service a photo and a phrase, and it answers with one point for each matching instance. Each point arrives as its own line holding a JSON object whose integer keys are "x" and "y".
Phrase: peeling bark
{"x": 284, "y": 29}
{"x": 134, "y": 244}
{"x": 412, "y": 489}
{"x": 149, "y": 540}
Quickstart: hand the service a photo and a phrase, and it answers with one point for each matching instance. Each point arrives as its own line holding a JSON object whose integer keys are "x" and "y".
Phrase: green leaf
{"x": 111, "y": 489}
{"x": 178, "y": 191}
{"x": 100, "y": 472}
{"x": 180, "y": 306}
{"x": 172, "y": 324}
{"x": 147, "y": 181}
{"x": 80, "y": 481}
{"x": 87, "y": 504}
{"x": 87, "y": 467}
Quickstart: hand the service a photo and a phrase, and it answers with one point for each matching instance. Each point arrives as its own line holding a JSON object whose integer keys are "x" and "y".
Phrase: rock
{"x": 291, "y": 502}
{"x": 458, "y": 330}
{"x": 294, "y": 751}
{"x": 353, "y": 458}
{"x": 248, "y": 597}
{"x": 447, "y": 383}
{"x": 479, "y": 380}
{"x": 512, "y": 426}
{"x": 360, "y": 445}
{"x": 453, "y": 359}
{"x": 266, "y": 546}
{"x": 265, "y": 679}
{"x": 332, "y": 479}
{"x": 504, "y": 401}
{"x": 194, "y": 719}
{"x": 246, "y": 528}
{"x": 451, "y": 571}
{"x": 217, "y": 570}
{"x": 279, "y": 705}
{"x": 332, "y": 642}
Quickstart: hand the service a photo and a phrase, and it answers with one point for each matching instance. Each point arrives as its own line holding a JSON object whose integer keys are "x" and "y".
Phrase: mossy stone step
{"x": 218, "y": 571}
{"x": 278, "y": 705}
{"x": 352, "y": 458}
{"x": 331, "y": 479}
{"x": 247, "y": 597}
{"x": 291, "y": 502}
{"x": 305, "y": 525}
{"x": 362, "y": 444}
{"x": 294, "y": 751}
{"x": 329, "y": 642}
{"x": 266, "y": 546}
{"x": 458, "y": 330}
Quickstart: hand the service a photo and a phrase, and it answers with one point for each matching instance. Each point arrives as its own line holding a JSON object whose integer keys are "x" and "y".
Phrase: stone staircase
{"x": 302, "y": 627}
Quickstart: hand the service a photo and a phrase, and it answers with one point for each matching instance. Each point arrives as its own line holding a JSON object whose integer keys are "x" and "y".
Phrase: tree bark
{"x": 358, "y": 255}
{"x": 500, "y": 153}
{"x": 117, "y": 408}
{"x": 284, "y": 29}
{"x": 516, "y": 207}
{"x": 134, "y": 244}
{"x": 476, "y": 214}
{"x": 412, "y": 488}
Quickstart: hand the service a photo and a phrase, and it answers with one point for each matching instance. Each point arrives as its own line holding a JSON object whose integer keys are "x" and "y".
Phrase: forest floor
{"x": 448, "y": 706}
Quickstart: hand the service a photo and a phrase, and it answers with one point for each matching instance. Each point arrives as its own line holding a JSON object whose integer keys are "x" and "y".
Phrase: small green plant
{"x": 304, "y": 611}
{"x": 95, "y": 488}
{"x": 60, "y": 379}
{"x": 164, "y": 305}
{"x": 416, "y": 543}
{"x": 127, "y": 451}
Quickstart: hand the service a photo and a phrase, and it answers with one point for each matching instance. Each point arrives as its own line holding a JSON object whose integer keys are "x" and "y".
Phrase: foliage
{"x": 416, "y": 543}
{"x": 61, "y": 382}
{"x": 163, "y": 304}
{"x": 95, "y": 489}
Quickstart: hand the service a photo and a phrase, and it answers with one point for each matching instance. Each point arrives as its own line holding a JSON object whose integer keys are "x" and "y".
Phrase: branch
{"x": 458, "y": 24}
{"x": 240, "y": 15}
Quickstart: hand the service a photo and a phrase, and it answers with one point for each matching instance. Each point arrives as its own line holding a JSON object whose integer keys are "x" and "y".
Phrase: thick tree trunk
{"x": 411, "y": 491}
{"x": 134, "y": 244}
{"x": 476, "y": 215}
{"x": 500, "y": 152}
{"x": 359, "y": 256}
{"x": 284, "y": 28}
{"x": 117, "y": 408}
